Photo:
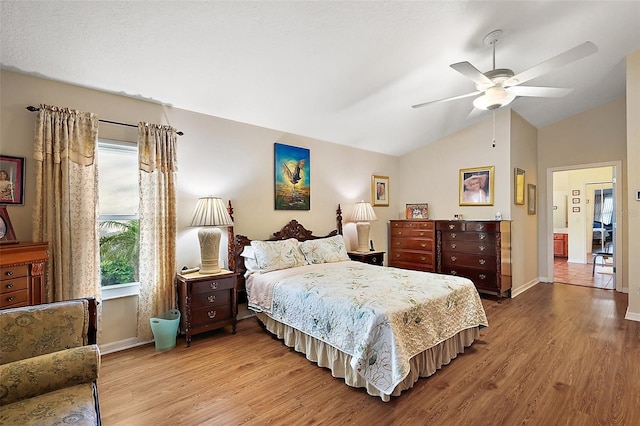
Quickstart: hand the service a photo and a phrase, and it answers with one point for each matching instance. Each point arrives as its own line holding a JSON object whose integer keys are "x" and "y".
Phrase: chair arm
{"x": 45, "y": 373}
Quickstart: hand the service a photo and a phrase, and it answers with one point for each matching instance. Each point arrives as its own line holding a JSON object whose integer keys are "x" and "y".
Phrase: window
{"x": 118, "y": 224}
{"x": 603, "y": 206}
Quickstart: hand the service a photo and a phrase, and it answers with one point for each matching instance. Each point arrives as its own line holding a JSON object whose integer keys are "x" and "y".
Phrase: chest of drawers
{"x": 412, "y": 244}
{"x": 478, "y": 250}
{"x": 206, "y": 302}
{"x": 22, "y": 274}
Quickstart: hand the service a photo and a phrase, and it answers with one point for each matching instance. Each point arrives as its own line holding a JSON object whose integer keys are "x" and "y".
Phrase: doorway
{"x": 583, "y": 226}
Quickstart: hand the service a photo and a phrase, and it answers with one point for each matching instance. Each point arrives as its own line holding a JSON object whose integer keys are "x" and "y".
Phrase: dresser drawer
{"x": 475, "y": 247}
{"x": 15, "y": 284}
{"x": 14, "y": 299}
{"x": 411, "y": 257}
{"x": 469, "y": 236}
{"x": 210, "y": 315}
{"x": 213, "y": 285}
{"x": 482, "y": 279}
{"x": 424, "y": 267}
{"x": 464, "y": 260}
{"x": 482, "y": 226}
{"x": 212, "y": 299}
{"x": 413, "y": 244}
{"x": 11, "y": 272}
{"x": 412, "y": 224}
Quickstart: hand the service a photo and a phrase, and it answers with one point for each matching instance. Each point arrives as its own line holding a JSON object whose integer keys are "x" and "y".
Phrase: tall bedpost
{"x": 231, "y": 257}
{"x": 339, "y": 219}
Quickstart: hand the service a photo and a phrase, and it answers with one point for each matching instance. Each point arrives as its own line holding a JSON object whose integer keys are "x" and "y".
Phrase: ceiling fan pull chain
{"x": 494, "y": 128}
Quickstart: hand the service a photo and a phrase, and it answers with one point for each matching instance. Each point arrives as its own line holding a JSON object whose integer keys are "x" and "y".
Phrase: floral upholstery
{"x": 48, "y": 369}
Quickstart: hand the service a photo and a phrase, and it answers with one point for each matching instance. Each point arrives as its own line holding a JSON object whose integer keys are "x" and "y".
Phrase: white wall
{"x": 633, "y": 209}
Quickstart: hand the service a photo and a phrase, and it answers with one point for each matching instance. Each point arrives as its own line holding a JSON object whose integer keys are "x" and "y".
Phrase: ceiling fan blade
{"x": 471, "y": 72}
{"x": 540, "y": 92}
{"x": 446, "y": 99}
{"x": 581, "y": 51}
{"x": 475, "y": 112}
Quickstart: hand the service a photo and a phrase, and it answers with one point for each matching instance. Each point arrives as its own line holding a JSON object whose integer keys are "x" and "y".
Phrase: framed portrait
{"x": 7, "y": 236}
{"x": 575, "y": 200}
{"x": 531, "y": 199}
{"x": 476, "y": 186}
{"x": 518, "y": 184}
{"x": 292, "y": 167}
{"x": 380, "y": 190}
{"x": 576, "y": 210}
{"x": 575, "y": 192}
{"x": 417, "y": 211}
{"x": 11, "y": 180}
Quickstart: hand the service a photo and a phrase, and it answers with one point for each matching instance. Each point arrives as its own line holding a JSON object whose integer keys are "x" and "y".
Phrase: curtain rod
{"x": 36, "y": 109}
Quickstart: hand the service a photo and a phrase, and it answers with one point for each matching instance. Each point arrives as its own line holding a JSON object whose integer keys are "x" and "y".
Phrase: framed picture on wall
{"x": 531, "y": 199}
{"x": 11, "y": 180}
{"x": 380, "y": 190}
{"x": 518, "y": 184}
{"x": 292, "y": 178}
{"x": 476, "y": 186}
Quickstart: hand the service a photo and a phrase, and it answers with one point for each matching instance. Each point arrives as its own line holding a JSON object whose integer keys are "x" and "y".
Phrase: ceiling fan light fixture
{"x": 493, "y": 98}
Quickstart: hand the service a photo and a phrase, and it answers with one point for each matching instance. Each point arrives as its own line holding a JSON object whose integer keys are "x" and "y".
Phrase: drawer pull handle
{"x": 480, "y": 227}
{"x": 482, "y": 248}
{"x": 9, "y": 285}
{"x": 423, "y": 258}
{"x": 398, "y": 243}
{"x": 9, "y": 273}
{"x": 453, "y": 235}
{"x": 482, "y": 261}
{"x": 482, "y": 276}
{"x": 451, "y": 226}
{"x": 213, "y": 285}
{"x": 483, "y": 236}
{"x": 421, "y": 234}
{"x": 397, "y": 256}
{"x": 10, "y": 299}
{"x": 211, "y": 298}
{"x": 454, "y": 273}
{"x": 453, "y": 245}
{"x": 453, "y": 258}
{"x": 211, "y": 314}
{"x": 423, "y": 245}
{"x": 399, "y": 232}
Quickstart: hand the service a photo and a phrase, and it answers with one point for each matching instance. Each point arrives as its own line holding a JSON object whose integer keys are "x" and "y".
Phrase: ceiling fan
{"x": 499, "y": 87}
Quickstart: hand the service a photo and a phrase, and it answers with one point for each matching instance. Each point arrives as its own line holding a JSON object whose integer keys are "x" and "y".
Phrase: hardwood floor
{"x": 555, "y": 355}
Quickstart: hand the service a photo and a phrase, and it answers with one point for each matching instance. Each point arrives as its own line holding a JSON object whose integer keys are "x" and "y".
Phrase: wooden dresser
{"x": 478, "y": 250}
{"x": 412, "y": 244}
{"x": 22, "y": 274}
{"x": 207, "y": 302}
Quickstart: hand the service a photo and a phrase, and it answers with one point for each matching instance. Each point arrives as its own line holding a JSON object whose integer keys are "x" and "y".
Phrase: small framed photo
{"x": 476, "y": 186}
{"x": 575, "y": 192}
{"x": 11, "y": 180}
{"x": 417, "y": 211}
{"x": 518, "y": 184}
{"x": 575, "y": 200}
{"x": 576, "y": 210}
{"x": 532, "y": 199}
{"x": 380, "y": 190}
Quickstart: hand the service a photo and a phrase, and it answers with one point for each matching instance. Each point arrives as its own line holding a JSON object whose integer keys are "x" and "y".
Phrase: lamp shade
{"x": 211, "y": 211}
{"x": 363, "y": 212}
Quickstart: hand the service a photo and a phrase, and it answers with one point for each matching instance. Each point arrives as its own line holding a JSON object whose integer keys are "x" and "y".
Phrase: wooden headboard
{"x": 293, "y": 229}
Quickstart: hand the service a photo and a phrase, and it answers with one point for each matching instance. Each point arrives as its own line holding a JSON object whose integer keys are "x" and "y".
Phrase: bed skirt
{"x": 422, "y": 365}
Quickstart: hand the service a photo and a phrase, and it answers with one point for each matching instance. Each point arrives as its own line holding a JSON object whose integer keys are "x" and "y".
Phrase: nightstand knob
{"x": 211, "y": 314}
{"x": 9, "y": 273}
{"x": 213, "y": 285}
{"x": 374, "y": 259}
{"x": 211, "y": 298}
{"x": 9, "y": 286}
{"x": 10, "y": 299}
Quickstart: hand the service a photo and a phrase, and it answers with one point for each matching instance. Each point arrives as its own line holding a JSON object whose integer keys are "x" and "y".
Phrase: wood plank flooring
{"x": 555, "y": 355}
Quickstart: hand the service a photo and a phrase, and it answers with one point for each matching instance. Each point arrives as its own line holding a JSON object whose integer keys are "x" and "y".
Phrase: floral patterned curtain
{"x": 158, "y": 167}
{"x": 66, "y": 210}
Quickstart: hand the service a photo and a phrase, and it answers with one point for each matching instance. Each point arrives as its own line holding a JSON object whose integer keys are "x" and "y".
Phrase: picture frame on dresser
{"x": 11, "y": 180}
{"x": 7, "y": 234}
{"x": 417, "y": 211}
{"x": 476, "y": 186}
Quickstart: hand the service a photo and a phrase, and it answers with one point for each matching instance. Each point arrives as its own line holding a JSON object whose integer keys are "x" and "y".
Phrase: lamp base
{"x": 209, "y": 250}
{"x": 362, "y": 228}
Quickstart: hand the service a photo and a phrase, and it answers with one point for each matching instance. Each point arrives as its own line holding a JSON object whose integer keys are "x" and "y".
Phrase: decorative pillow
{"x": 250, "y": 259}
{"x": 325, "y": 250}
{"x": 273, "y": 255}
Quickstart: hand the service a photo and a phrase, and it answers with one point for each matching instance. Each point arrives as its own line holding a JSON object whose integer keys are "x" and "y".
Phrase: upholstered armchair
{"x": 49, "y": 364}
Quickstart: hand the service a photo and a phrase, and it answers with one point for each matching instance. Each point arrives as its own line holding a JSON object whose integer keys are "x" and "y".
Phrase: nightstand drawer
{"x": 11, "y": 272}
{"x": 210, "y": 315}
{"x": 213, "y": 285}
{"x": 212, "y": 299}
{"x": 15, "y": 284}
{"x": 14, "y": 299}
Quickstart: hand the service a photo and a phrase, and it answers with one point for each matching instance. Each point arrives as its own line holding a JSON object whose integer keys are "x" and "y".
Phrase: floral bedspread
{"x": 380, "y": 316}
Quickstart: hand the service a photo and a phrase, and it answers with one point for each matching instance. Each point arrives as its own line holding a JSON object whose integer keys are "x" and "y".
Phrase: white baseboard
{"x": 633, "y": 316}
{"x": 523, "y": 288}
{"x": 121, "y": 345}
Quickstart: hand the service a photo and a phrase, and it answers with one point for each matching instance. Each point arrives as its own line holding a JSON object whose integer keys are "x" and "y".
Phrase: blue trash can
{"x": 165, "y": 330}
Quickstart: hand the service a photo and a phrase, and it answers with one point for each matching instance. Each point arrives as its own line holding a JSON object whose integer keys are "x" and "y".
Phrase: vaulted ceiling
{"x": 341, "y": 71}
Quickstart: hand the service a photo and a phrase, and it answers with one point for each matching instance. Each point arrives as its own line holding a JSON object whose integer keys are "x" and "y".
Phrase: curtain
{"x": 66, "y": 210}
{"x": 158, "y": 167}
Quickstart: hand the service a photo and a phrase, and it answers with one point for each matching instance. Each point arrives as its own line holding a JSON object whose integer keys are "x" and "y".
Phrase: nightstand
{"x": 370, "y": 257}
{"x": 206, "y": 302}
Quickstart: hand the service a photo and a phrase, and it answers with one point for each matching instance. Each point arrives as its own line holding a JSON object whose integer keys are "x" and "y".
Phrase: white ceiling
{"x": 342, "y": 71}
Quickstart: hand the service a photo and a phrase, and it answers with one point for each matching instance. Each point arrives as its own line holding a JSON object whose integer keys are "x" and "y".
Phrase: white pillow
{"x": 282, "y": 254}
{"x": 325, "y": 250}
{"x": 249, "y": 259}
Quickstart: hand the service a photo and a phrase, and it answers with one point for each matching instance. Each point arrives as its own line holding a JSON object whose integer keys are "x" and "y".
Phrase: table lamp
{"x": 362, "y": 214}
{"x": 209, "y": 214}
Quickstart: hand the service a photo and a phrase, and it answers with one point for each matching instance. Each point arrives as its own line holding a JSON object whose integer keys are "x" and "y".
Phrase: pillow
{"x": 249, "y": 259}
{"x": 274, "y": 255}
{"x": 325, "y": 250}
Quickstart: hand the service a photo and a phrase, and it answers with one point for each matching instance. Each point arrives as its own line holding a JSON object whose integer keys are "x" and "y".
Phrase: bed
{"x": 376, "y": 327}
